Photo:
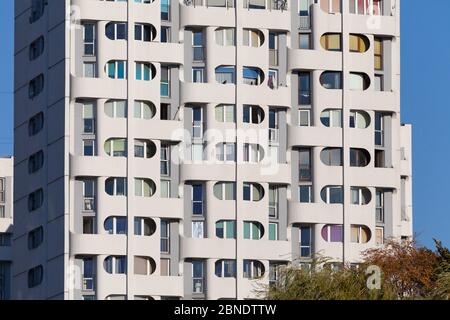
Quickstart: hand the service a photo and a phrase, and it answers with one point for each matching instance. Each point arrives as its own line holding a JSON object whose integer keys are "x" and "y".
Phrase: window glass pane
{"x": 336, "y": 233}
{"x": 219, "y": 229}
{"x": 273, "y": 231}
{"x": 305, "y": 194}
{"x": 230, "y": 229}
{"x": 246, "y": 230}
{"x": 121, "y": 70}
{"x": 305, "y": 236}
{"x": 335, "y": 194}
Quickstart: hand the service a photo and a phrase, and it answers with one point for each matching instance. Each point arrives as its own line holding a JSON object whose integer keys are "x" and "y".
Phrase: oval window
{"x": 360, "y": 234}
{"x": 359, "y": 157}
{"x": 331, "y": 41}
{"x": 359, "y": 43}
{"x": 359, "y": 119}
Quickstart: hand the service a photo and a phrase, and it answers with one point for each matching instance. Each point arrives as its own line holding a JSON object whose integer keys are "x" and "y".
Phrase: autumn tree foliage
{"x": 408, "y": 271}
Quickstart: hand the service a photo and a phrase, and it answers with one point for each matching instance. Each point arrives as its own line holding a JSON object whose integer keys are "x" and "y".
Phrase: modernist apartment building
{"x": 6, "y": 221}
{"x": 169, "y": 149}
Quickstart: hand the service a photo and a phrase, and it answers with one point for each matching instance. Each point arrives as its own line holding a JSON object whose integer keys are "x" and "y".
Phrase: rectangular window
{"x": 89, "y": 70}
{"x": 197, "y": 123}
{"x": 379, "y": 85}
{"x": 165, "y": 81}
{"x": 165, "y": 159}
{"x": 197, "y": 45}
{"x": 88, "y": 225}
{"x": 88, "y": 148}
{"x": 197, "y": 276}
{"x": 273, "y": 49}
{"x": 305, "y": 172}
{"x": 380, "y": 159}
{"x": 88, "y": 274}
{"x": 165, "y": 113}
{"x": 165, "y": 236}
{"x": 305, "y": 194}
{"x": 165, "y": 34}
{"x": 378, "y": 53}
{"x": 88, "y": 118}
{"x": 165, "y": 189}
{"x": 273, "y": 231}
{"x": 165, "y": 267}
{"x": 379, "y": 129}
{"x": 198, "y": 231}
{"x": 197, "y": 199}
{"x": 273, "y": 79}
{"x": 197, "y": 75}
{"x": 273, "y": 126}
{"x": 305, "y": 241}
{"x": 304, "y": 41}
{"x": 197, "y": 152}
{"x": 273, "y": 202}
{"x": 379, "y": 235}
{"x": 304, "y": 116}
{"x": 379, "y": 206}
{"x": 165, "y": 10}
{"x": 88, "y": 195}
{"x": 89, "y": 39}
{"x": 303, "y": 8}
{"x": 304, "y": 90}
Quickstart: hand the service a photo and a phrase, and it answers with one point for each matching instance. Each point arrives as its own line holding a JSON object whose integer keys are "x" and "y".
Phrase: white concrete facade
{"x": 122, "y": 112}
{"x": 6, "y": 226}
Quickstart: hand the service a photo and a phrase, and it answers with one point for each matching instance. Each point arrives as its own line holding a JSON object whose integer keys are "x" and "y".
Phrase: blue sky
{"x": 425, "y": 104}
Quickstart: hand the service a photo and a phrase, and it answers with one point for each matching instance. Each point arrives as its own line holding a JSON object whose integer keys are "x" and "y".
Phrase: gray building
{"x": 170, "y": 149}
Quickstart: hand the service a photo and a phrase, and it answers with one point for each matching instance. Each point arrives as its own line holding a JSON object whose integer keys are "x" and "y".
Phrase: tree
{"x": 442, "y": 272}
{"x": 408, "y": 269}
{"x": 408, "y": 272}
{"x": 322, "y": 282}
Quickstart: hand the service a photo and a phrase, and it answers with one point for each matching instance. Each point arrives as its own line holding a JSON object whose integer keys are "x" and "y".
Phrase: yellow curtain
{"x": 354, "y": 234}
{"x": 365, "y": 235}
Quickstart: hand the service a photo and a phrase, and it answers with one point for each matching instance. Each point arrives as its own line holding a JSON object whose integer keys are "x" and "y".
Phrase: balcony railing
{"x": 273, "y": 57}
{"x": 89, "y": 204}
{"x": 88, "y": 284}
{"x": 198, "y": 285}
{"x": 304, "y": 22}
{"x": 273, "y": 135}
{"x": 210, "y": 3}
{"x": 305, "y": 173}
{"x": 266, "y": 4}
{"x": 304, "y": 98}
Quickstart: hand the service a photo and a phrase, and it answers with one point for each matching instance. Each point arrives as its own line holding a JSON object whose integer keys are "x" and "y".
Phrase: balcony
{"x": 274, "y": 136}
{"x": 304, "y": 23}
{"x": 210, "y": 3}
{"x": 88, "y": 284}
{"x": 89, "y": 205}
{"x": 273, "y": 57}
{"x": 266, "y": 4}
